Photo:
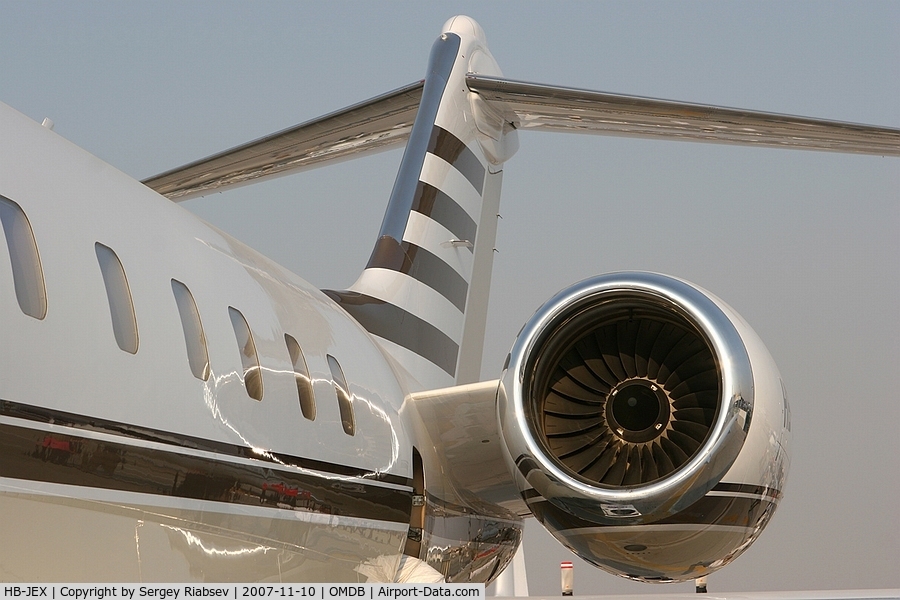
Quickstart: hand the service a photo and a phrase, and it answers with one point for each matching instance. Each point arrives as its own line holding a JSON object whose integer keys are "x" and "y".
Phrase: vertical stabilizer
{"x": 424, "y": 292}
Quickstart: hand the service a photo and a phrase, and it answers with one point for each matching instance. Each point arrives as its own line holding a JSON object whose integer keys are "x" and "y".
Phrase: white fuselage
{"x": 128, "y": 466}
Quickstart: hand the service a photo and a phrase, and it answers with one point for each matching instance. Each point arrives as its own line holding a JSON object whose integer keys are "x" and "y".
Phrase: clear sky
{"x": 804, "y": 244}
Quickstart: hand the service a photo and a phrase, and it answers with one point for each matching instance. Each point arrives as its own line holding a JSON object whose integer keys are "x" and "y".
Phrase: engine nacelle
{"x": 646, "y": 425}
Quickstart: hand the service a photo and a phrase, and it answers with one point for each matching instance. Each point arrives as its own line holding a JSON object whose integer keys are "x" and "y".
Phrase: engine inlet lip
{"x": 710, "y": 318}
{"x": 579, "y": 319}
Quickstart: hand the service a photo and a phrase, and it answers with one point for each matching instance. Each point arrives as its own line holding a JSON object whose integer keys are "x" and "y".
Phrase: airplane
{"x": 175, "y": 406}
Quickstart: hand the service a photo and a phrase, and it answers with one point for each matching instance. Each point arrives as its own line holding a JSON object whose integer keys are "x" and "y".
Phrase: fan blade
{"x": 626, "y": 338}
{"x": 606, "y": 340}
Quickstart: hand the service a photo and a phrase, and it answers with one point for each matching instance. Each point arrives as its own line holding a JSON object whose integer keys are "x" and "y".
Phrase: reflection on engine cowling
{"x": 691, "y": 544}
{"x": 646, "y": 425}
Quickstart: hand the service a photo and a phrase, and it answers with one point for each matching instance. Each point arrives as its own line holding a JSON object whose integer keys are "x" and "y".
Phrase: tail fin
{"x": 424, "y": 292}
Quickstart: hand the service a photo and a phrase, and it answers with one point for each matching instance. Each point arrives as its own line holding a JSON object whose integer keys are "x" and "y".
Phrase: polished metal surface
{"x": 374, "y": 125}
{"x": 197, "y": 510}
{"x": 538, "y": 106}
{"x": 466, "y": 545}
{"x": 594, "y": 468}
{"x": 536, "y": 352}
{"x": 472, "y": 512}
{"x": 698, "y": 540}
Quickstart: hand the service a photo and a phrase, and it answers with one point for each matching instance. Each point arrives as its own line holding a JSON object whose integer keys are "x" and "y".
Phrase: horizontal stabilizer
{"x": 380, "y": 123}
{"x": 385, "y": 121}
{"x": 537, "y": 106}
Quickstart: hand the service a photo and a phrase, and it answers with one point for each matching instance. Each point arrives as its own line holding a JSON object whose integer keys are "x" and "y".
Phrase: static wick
{"x": 567, "y": 576}
{"x": 700, "y": 583}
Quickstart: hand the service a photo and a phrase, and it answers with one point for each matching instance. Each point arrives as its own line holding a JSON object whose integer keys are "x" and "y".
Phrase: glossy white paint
{"x": 70, "y": 362}
{"x": 479, "y": 199}
{"x": 65, "y": 202}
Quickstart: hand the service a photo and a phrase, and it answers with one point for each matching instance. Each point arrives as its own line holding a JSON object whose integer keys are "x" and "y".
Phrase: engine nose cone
{"x": 637, "y": 410}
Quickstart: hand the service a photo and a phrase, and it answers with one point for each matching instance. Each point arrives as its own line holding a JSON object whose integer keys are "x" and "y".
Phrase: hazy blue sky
{"x": 805, "y": 245}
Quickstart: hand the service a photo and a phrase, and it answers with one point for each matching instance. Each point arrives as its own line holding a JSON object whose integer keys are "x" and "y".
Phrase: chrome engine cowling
{"x": 646, "y": 425}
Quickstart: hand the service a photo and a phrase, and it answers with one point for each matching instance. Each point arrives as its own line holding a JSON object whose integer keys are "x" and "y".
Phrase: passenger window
{"x": 194, "y": 338}
{"x": 28, "y": 277}
{"x": 249, "y": 358}
{"x": 301, "y": 377}
{"x": 121, "y": 305}
{"x": 343, "y": 395}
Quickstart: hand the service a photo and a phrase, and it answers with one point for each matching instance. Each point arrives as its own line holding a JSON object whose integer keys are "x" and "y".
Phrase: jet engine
{"x": 646, "y": 426}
